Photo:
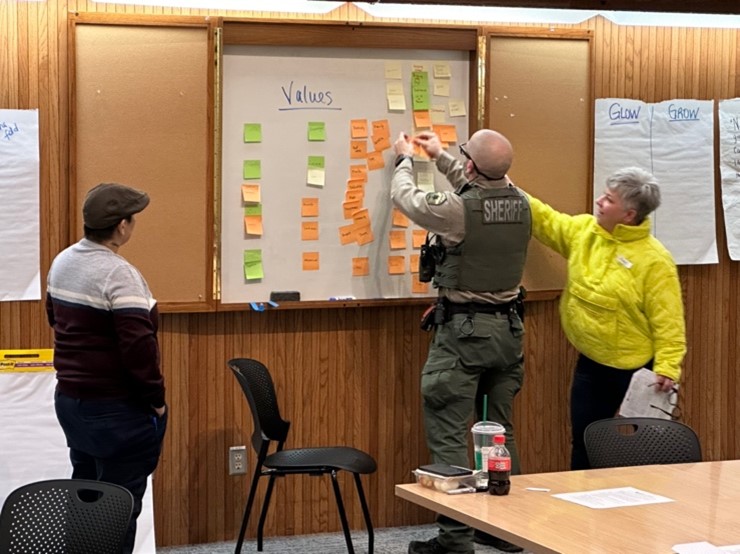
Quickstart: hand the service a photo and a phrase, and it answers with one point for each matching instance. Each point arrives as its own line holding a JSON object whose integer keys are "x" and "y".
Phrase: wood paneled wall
{"x": 351, "y": 375}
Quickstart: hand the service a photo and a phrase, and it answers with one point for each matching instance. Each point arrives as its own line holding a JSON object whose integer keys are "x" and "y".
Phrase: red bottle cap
{"x": 499, "y": 439}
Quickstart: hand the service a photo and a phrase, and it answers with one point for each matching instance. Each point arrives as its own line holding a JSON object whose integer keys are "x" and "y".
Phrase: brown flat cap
{"x": 109, "y": 203}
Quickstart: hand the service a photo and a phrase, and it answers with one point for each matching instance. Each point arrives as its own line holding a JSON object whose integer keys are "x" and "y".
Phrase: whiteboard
{"x": 283, "y": 89}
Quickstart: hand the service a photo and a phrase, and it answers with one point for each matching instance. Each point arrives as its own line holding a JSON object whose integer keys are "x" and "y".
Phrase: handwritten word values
{"x": 307, "y": 97}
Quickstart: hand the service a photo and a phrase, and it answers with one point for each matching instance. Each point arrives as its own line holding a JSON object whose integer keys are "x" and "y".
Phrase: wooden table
{"x": 706, "y": 507}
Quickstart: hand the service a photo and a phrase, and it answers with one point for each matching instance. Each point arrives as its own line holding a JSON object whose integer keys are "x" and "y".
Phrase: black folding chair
{"x": 635, "y": 441}
{"x": 270, "y": 428}
{"x": 65, "y": 516}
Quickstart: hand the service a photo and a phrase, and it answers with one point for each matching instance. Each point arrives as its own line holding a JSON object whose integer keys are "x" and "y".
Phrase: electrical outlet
{"x": 237, "y": 460}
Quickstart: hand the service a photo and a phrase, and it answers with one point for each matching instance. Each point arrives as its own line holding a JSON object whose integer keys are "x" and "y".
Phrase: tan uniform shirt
{"x": 442, "y": 212}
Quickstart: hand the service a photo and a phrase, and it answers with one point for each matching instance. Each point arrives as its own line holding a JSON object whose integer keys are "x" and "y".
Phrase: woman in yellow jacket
{"x": 621, "y": 307}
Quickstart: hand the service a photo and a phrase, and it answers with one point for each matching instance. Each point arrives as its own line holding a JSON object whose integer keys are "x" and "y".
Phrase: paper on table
{"x": 696, "y": 548}
{"x": 644, "y": 400}
{"x": 613, "y": 498}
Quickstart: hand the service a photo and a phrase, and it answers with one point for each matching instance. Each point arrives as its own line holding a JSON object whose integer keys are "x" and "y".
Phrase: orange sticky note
{"x": 364, "y": 234}
{"x": 414, "y": 263}
{"x": 251, "y": 193}
{"x": 357, "y": 171}
{"x": 357, "y": 149}
{"x": 347, "y": 234}
{"x": 350, "y": 208}
{"x": 358, "y": 127}
{"x": 310, "y": 230}
{"x": 375, "y": 160}
{"x": 361, "y": 216}
{"x": 422, "y": 119}
{"x": 397, "y": 240}
{"x": 417, "y": 287}
{"x": 446, "y": 133}
{"x": 360, "y": 267}
{"x": 354, "y": 196}
{"x": 396, "y": 265}
{"x": 309, "y": 207}
{"x": 419, "y": 152}
{"x": 381, "y": 143}
{"x": 381, "y": 128}
{"x": 418, "y": 237}
{"x": 399, "y": 220}
{"x": 356, "y": 184}
{"x": 310, "y": 261}
{"x": 253, "y": 224}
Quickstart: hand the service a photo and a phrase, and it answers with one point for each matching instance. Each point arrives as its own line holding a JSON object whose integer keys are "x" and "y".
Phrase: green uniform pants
{"x": 471, "y": 355}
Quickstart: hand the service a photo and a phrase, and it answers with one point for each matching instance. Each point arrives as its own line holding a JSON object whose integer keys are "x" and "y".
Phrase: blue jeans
{"x": 113, "y": 441}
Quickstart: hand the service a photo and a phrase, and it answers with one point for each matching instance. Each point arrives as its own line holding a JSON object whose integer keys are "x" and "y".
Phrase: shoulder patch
{"x": 436, "y": 198}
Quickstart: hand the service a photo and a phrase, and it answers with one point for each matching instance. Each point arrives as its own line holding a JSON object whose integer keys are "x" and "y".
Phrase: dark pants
{"x": 112, "y": 441}
{"x": 597, "y": 393}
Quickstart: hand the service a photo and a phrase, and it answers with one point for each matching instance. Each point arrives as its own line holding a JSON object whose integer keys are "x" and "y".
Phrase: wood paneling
{"x": 352, "y": 375}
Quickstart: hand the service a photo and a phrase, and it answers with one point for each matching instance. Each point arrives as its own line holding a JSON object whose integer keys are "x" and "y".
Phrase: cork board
{"x": 139, "y": 116}
{"x": 539, "y": 96}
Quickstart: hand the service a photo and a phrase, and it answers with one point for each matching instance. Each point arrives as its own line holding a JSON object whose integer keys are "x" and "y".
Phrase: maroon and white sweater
{"x": 105, "y": 327}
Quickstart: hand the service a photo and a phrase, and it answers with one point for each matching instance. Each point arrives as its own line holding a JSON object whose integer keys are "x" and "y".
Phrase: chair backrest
{"x": 635, "y": 441}
{"x": 259, "y": 389}
{"x": 65, "y": 516}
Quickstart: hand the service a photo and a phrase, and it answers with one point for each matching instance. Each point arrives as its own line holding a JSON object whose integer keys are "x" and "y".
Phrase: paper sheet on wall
{"x": 674, "y": 141}
{"x": 729, "y": 167}
{"x": 19, "y": 198}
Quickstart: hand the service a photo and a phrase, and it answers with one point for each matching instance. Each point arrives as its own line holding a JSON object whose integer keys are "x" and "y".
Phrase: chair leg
{"x": 342, "y": 514}
{"x": 366, "y": 513}
{"x": 248, "y": 508}
{"x": 263, "y": 515}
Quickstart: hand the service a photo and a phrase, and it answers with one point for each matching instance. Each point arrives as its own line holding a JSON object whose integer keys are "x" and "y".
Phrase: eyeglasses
{"x": 478, "y": 171}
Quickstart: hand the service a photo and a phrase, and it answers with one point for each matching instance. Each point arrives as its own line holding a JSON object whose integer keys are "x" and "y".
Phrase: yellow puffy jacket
{"x": 622, "y": 303}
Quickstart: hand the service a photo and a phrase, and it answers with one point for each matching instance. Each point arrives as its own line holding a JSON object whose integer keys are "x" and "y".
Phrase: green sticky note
{"x": 253, "y": 264}
{"x": 420, "y": 79}
{"x": 316, "y": 162}
{"x": 316, "y": 131}
{"x": 252, "y": 169}
{"x": 254, "y": 209}
{"x": 420, "y": 99}
{"x": 252, "y": 132}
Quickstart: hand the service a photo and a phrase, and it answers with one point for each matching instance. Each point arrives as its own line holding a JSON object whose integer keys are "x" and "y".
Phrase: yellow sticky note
{"x": 396, "y": 103}
{"x": 309, "y": 207}
{"x": 393, "y": 70}
{"x": 310, "y": 230}
{"x": 417, "y": 287}
{"x": 357, "y": 149}
{"x": 441, "y": 70}
{"x": 396, "y": 265}
{"x": 251, "y": 194}
{"x": 438, "y": 114}
{"x": 457, "y": 108}
{"x": 253, "y": 224}
{"x": 399, "y": 220}
{"x": 358, "y": 128}
{"x": 360, "y": 267}
{"x": 253, "y": 265}
{"x": 310, "y": 261}
{"x": 315, "y": 176}
{"x": 418, "y": 237}
{"x": 441, "y": 88}
{"x": 397, "y": 240}
{"x": 394, "y": 89}
{"x": 375, "y": 160}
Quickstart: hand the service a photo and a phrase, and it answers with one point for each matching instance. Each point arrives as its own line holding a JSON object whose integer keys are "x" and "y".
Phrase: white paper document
{"x": 703, "y": 547}
{"x": 643, "y": 399}
{"x": 613, "y": 498}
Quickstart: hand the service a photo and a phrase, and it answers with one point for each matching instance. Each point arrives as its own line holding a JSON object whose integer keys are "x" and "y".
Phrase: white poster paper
{"x": 19, "y": 198}
{"x": 729, "y": 167}
{"x": 674, "y": 141}
{"x": 621, "y": 497}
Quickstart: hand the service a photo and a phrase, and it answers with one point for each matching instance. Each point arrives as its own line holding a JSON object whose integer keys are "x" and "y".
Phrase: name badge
{"x": 625, "y": 262}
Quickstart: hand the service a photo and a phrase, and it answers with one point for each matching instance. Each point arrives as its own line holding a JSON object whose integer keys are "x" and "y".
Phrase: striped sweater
{"x": 105, "y": 327}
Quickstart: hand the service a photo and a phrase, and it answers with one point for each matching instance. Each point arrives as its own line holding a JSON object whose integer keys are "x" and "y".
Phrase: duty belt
{"x": 452, "y": 308}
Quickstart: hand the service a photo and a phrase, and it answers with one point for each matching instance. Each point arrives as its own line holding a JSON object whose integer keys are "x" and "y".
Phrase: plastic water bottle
{"x": 499, "y": 467}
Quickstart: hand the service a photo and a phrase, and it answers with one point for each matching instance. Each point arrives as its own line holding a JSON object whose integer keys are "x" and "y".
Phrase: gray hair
{"x": 637, "y": 188}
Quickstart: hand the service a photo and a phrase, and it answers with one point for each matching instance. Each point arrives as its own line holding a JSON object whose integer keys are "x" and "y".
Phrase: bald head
{"x": 491, "y": 151}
